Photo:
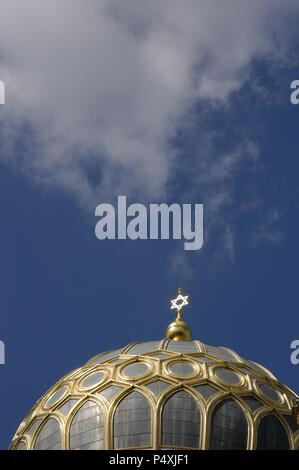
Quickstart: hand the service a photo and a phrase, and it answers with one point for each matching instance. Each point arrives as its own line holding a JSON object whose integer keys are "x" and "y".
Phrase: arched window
{"x": 132, "y": 422}
{"x": 229, "y": 427}
{"x": 271, "y": 434}
{"x": 181, "y": 421}
{"x": 87, "y": 428}
{"x": 21, "y": 446}
{"x": 49, "y": 437}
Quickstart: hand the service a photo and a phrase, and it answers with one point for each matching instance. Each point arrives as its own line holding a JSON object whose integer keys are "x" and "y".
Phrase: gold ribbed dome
{"x": 163, "y": 394}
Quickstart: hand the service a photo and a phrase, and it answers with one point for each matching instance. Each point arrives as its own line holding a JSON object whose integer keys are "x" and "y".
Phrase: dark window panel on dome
{"x": 206, "y": 390}
{"x": 110, "y": 392}
{"x": 49, "y": 437}
{"x": 271, "y": 434}
{"x": 67, "y": 407}
{"x": 270, "y": 392}
{"x": 229, "y": 427}
{"x": 87, "y": 428}
{"x": 291, "y": 422}
{"x": 132, "y": 422}
{"x": 21, "y": 446}
{"x": 141, "y": 348}
{"x": 182, "y": 346}
{"x": 221, "y": 353}
{"x": 181, "y": 421}
{"x": 252, "y": 402}
{"x": 104, "y": 357}
{"x": 158, "y": 387}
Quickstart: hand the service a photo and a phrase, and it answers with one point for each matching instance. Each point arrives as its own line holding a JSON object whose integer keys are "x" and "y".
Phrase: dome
{"x": 163, "y": 394}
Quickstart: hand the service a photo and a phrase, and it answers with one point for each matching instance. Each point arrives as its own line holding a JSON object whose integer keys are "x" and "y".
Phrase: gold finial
{"x": 179, "y": 330}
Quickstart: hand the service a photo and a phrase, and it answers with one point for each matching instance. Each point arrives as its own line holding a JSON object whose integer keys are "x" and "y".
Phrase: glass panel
{"x": 272, "y": 435}
{"x": 205, "y": 359}
{"x": 92, "y": 380}
{"x": 117, "y": 361}
{"x": 221, "y": 353}
{"x": 291, "y": 422}
{"x": 132, "y": 422}
{"x": 49, "y": 437}
{"x": 56, "y": 396}
{"x": 140, "y": 348}
{"x": 234, "y": 357}
{"x": 206, "y": 391}
{"x": 181, "y": 421}
{"x": 87, "y": 428}
{"x": 229, "y": 427}
{"x": 270, "y": 392}
{"x": 135, "y": 370}
{"x": 33, "y": 427}
{"x": 160, "y": 355}
{"x": 182, "y": 369}
{"x": 227, "y": 376}
{"x": 182, "y": 346}
{"x": 110, "y": 392}
{"x": 158, "y": 387}
{"x": 259, "y": 369}
{"x": 67, "y": 407}
{"x": 104, "y": 357}
{"x": 21, "y": 446}
{"x": 252, "y": 402}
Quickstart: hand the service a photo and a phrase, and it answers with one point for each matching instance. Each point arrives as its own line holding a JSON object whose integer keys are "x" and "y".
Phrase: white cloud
{"x": 102, "y": 86}
{"x": 270, "y": 229}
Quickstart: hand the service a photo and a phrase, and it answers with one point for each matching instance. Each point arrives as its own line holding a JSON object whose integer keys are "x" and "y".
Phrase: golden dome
{"x": 163, "y": 394}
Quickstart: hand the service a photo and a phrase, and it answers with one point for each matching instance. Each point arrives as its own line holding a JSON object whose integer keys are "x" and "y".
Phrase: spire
{"x": 178, "y": 330}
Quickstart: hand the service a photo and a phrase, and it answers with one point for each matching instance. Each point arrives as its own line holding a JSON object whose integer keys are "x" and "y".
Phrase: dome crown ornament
{"x": 180, "y": 301}
{"x": 178, "y": 330}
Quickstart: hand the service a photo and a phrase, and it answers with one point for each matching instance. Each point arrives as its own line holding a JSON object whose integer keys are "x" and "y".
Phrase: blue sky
{"x": 214, "y": 125}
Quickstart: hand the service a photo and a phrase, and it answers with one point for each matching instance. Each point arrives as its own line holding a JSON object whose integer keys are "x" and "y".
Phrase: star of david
{"x": 179, "y": 302}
